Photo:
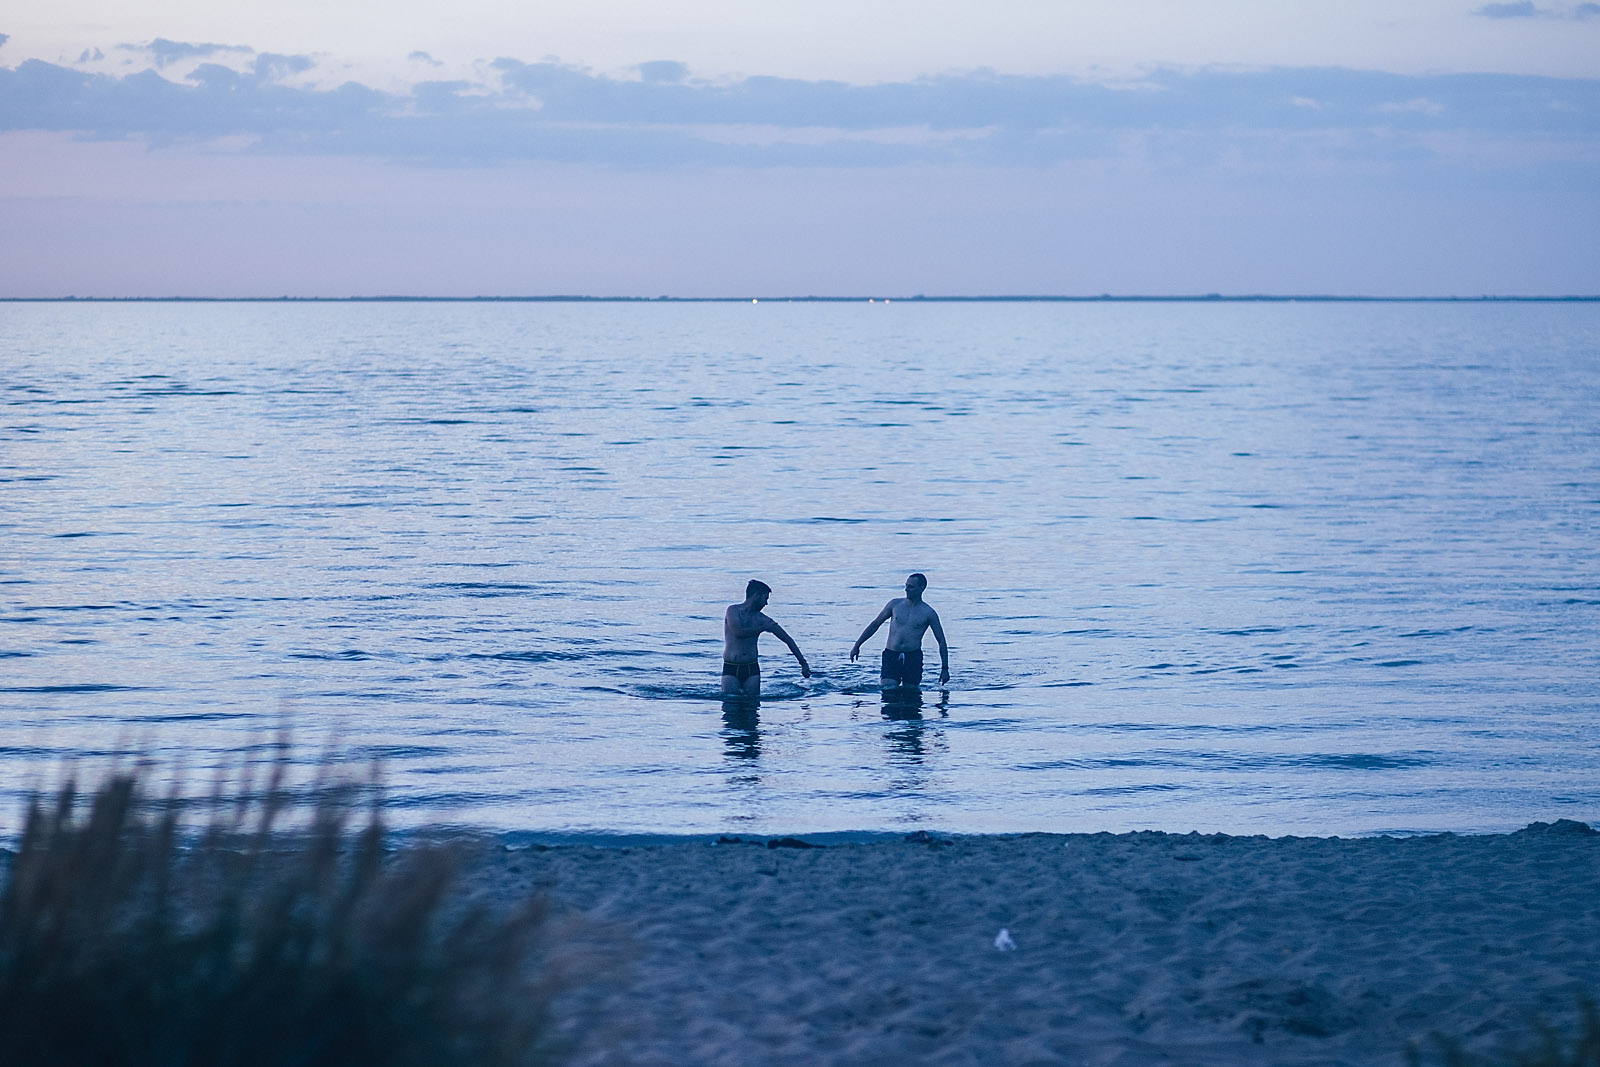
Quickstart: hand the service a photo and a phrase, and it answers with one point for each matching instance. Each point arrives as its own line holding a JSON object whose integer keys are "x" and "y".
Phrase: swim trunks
{"x": 739, "y": 671}
{"x": 905, "y": 668}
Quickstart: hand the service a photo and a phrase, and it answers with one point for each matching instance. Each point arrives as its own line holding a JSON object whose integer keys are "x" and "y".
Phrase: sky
{"x": 769, "y": 148}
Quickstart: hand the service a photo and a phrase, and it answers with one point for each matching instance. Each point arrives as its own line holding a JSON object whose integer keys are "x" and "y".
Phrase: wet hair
{"x": 919, "y": 577}
{"x": 754, "y": 586}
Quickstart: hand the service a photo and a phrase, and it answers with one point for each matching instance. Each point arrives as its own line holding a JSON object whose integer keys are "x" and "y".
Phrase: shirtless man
{"x": 902, "y": 658}
{"x": 742, "y": 627}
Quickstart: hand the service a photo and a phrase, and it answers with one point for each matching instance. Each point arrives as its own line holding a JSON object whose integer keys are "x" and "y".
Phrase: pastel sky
{"x": 771, "y": 147}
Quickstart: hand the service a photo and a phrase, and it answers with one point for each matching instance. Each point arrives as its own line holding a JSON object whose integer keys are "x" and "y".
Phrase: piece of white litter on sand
{"x": 1003, "y": 942}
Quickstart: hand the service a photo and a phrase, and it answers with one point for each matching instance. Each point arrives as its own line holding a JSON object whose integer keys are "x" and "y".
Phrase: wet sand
{"x": 1143, "y": 948}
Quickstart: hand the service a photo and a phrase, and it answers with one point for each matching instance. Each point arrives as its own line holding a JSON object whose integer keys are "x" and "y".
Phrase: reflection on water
{"x": 908, "y": 704}
{"x": 909, "y": 740}
{"x": 741, "y": 729}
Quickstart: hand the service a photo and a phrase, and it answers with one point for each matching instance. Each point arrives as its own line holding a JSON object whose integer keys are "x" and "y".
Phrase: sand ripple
{"x": 1131, "y": 949}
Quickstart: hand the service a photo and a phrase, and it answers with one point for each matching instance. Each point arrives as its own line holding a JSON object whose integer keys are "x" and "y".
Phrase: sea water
{"x": 1314, "y": 568}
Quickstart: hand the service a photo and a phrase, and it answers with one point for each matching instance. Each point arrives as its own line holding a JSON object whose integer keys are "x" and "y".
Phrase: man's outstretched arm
{"x": 782, "y": 635}
{"x": 944, "y": 650}
{"x": 855, "y": 649}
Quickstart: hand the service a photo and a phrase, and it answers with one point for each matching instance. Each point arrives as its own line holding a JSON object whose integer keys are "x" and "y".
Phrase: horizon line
{"x": 813, "y": 299}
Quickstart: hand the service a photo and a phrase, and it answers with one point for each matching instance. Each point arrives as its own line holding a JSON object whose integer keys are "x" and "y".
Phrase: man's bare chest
{"x": 911, "y": 617}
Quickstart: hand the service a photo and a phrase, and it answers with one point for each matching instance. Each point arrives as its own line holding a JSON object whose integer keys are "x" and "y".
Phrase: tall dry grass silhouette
{"x": 126, "y": 939}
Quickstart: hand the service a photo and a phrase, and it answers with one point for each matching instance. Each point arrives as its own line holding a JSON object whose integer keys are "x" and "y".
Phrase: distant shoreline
{"x": 1207, "y": 298}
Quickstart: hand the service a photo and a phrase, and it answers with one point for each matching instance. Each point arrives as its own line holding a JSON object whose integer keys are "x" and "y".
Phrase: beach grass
{"x": 129, "y": 937}
{"x": 1578, "y": 1046}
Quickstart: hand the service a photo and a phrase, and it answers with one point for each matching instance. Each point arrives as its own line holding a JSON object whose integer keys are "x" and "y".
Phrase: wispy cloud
{"x": 420, "y": 56}
{"x": 665, "y": 116}
{"x": 1527, "y": 9}
{"x": 164, "y": 53}
{"x": 1522, "y": 9}
{"x": 1420, "y": 105}
{"x": 270, "y": 66}
{"x": 664, "y": 70}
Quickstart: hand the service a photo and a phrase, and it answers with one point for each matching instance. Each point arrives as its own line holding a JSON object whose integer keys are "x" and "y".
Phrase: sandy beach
{"x": 1145, "y": 948}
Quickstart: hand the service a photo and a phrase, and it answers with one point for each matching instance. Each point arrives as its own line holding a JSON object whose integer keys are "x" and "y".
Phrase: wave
{"x": 91, "y": 687}
{"x": 713, "y": 691}
{"x": 1198, "y": 760}
{"x": 556, "y": 655}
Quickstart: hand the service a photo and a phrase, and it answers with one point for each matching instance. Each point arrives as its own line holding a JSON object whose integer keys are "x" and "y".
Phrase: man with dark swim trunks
{"x": 742, "y": 626}
{"x": 910, "y": 619}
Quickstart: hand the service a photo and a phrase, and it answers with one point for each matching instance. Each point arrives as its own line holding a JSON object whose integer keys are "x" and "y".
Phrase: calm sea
{"x": 1281, "y": 568}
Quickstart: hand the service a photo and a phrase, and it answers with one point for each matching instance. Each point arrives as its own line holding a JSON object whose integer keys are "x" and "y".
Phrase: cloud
{"x": 269, "y": 66}
{"x": 3, "y": 39}
{"x": 1419, "y": 105}
{"x": 90, "y": 55}
{"x": 420, "y": 56}
{"x": 1526, "y": 9}
{"x": 665, "y": 71}
{"x": 1316, "y": 117}
{"x": 1522, "y": 9}
{"x": 165, "y": 53}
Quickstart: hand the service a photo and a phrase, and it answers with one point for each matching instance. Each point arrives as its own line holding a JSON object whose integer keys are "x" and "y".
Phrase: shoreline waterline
{"x": 519, "y": 840}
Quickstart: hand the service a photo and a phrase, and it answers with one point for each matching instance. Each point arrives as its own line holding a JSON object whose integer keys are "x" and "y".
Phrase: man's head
{"x": 915, "y": 584}
{"x": 757, "y": 593}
